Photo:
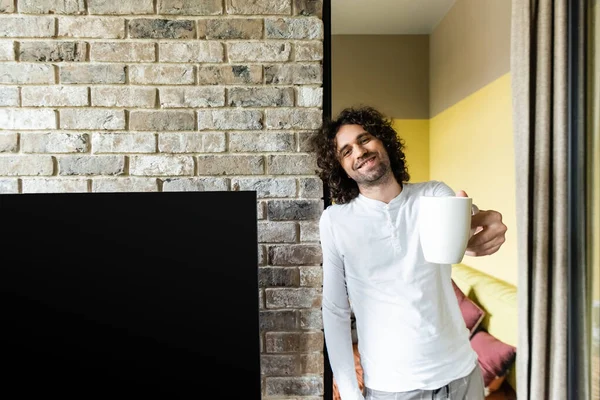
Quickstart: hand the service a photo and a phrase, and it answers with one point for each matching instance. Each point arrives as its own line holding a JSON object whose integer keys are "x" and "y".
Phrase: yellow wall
{"x": 471, "y": 148}
{"x": 415, "y": 133}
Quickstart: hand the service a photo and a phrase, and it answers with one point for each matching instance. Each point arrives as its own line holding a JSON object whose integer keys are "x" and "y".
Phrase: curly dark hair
{"x": 341, "y": 187}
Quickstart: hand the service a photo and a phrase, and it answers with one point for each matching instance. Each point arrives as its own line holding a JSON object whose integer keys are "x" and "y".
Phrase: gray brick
{"x": 260, "y": 210}
{"x": 245, "y": 7}
{"x": 266, "y": 187}
{"x": 294, "y": 74}
{"x": 22, "y": 73}
{"x": 229, "y": 75}
{"x": 292, "y": 164}
{"x": 277, "y": 232}
{"x": 162, "y": 29}
{"x": 27, "y": 119}
{"x": 312, "y": 364}
{"x": 294, "y": 386}
{"x": 9, "y": 185}
{"x": 52, "y": 6}
{"x": 122, "y": 52}
{"x": 192, "y": 97}
{"x": 278, "y": 276}
{"x": 54, "y": 96}
{"x": 91, "y": 27}
{"x": 308, "y": 7}
{"x": 309, "y": 96}
{"x": 192, "y": 142}
{"x": 55, "y": 185}
{"x": 258, "y": 51}
{"x": 230, "y": 119}
{"x": 260, "y": 97}
{"x": 26, "y": 165}
{"x": 310, "y": 187}
{"x": 120, "y": 7}
{"x": 9, "y": 96}
{"x": 27, "y": 26}
{"x": 124, "y": 184}
{"x": 293, "y": 28}
{"x": 238, "y": 28}
{"x": 190, "y": 7}
{"x": 180, "y": 120}
{"x": 293, "y": 298}
{"x": 305, "y": 143}
{"x": 308, "y": 51}
{"x": 54, "y": 142}
{"x": 261, "y": 141}
{"x": 127, "y": 96}
{"x": 294, "y": 210}
{"x": 279, "y": 364}
{"x": 9, "y": 142}
{"x": 294, "y": 118}
{"x": 309, "y": 231}
{"x": 91, "y": 165}
{"x": 262, "y": 255}
{"x": 230, "y": 165}
{"x": 277, "y": 320}
{"x": 92, "y": 73}
{"x": 161, "y": 165}
{"x": 7, "y": 6}
{"x": 124, "y": 142}
{"x": 297, "y": 254}
{"x": 52, "y": 51}
{"x": 311, "y": 276}
{"x": 7, "y": 50}
{"x": 311, "y": 319}
{"x": 161, "y": 74}
{"x": 293, "y": 342}
{"x": 195, "y": 184}
{"x": 92, "y": 118}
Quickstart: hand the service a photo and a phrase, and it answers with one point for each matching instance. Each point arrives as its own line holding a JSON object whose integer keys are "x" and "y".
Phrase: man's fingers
{"x": 487, "y": 252}
{"x": 461, "y": 193}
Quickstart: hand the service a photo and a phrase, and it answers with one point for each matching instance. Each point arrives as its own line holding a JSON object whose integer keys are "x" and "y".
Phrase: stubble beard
{"x": 379, "y": 176}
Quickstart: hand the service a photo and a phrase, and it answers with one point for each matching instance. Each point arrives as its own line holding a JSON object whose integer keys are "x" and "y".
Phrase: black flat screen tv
{"x": 129, "y": 296}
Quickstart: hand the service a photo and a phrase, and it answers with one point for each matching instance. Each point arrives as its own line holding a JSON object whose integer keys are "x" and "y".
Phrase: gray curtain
{"x": 539, "y": 62}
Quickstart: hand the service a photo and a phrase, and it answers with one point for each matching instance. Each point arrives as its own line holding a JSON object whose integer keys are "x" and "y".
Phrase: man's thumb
{"x": 461, "y": 193}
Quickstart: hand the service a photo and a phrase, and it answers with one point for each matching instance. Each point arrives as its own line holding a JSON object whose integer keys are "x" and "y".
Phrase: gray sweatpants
{"x": 468, "y": 388}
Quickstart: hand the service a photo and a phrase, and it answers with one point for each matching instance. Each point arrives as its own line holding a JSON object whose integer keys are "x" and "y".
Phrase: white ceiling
{"x": 387, "y": 17}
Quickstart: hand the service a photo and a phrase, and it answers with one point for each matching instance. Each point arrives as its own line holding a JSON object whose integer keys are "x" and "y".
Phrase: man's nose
{"x": 360, "y": 151}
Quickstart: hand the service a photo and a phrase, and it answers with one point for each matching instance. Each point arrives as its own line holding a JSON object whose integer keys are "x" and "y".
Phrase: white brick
{"x": 91, "y": 165}
{"x": 29, "y": 26}
{"x": 309, "y": 96}
{"x": 124, "y": 184}
{"x": 91, "y": 27}
{"x": 230, "y": 119}
{"x": 25, "y": 73}
{"x": 122, "y": 52}
{"x": 124, "y": 142}
{"x": 55, "y": 185}
{"x": 9, "y": 96}
{"x": 162, "y": 165}
{"x": 258, "y": 51}
{"x": 9, "y": 185}
{"x": 266, "y": 187}
{"x": 54, "y": 142}
{"x": 161, "y": 74}
{"x": 7, "y": 50}
{"x": 195, "y": 184}
{"x": 128, "y": 96}
{"x": 120, "y": 7}
{"x": 192, "y": 97}
{"x": 52, "y": 6}
{"x": 191, "y": 142}
{"x": 26, "y": 165}
{"x": 8, "y": 142}
{"x": 205, "y": 51}
{"x": 54, "y": 96}
{"x": 27, "y": 119}
{"x": 92, "y": 119}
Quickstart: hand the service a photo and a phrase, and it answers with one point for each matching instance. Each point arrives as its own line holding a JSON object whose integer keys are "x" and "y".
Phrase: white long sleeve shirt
{"x": 411, "y": 334}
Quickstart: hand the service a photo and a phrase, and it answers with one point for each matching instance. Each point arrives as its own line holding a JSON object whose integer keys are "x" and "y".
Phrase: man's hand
{"x": 490, "y": 232}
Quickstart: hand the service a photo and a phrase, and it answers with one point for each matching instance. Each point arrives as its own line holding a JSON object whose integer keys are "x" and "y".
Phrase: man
{"x": 412, "y": 340}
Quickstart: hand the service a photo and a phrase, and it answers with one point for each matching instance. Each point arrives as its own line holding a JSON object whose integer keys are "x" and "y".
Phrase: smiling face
{"x": 362, "y": 155}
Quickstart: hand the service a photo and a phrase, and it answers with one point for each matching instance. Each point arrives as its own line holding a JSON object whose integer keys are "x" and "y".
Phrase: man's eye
{"x": 365, "y": 140}
{"x": 345, "y": 153}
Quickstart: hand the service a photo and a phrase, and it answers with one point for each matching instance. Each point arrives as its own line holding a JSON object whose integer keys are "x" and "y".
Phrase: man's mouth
{"x": 368, "y": 161}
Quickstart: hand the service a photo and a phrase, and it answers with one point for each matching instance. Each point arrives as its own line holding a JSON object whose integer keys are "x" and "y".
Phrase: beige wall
{"x": 389, "y": 72}
{"x": 469, "y": 48}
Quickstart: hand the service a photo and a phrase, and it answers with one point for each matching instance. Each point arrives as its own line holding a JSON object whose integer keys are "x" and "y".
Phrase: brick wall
{"x": 176, "y": 95}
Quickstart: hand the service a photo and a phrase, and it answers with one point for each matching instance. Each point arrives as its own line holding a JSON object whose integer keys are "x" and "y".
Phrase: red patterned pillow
{"x": 494, "y": 356}
{"x": 471, "y": 312}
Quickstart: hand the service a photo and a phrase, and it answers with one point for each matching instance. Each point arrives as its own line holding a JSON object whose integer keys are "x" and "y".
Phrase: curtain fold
{"x": 539, "y": 62}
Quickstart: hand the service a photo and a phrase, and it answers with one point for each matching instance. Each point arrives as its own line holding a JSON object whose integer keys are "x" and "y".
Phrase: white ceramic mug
{"x": 444, "y": 228}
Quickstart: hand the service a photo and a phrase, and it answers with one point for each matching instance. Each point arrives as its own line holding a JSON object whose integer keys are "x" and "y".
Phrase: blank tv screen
{"x": 129, "y": 296}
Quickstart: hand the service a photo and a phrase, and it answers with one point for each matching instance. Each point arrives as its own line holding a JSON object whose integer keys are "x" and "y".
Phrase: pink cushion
{"x": 471, "y": 312}
{"x": 495, "y": 357}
